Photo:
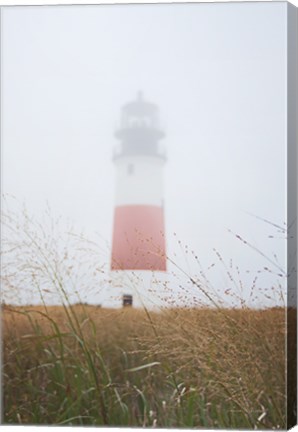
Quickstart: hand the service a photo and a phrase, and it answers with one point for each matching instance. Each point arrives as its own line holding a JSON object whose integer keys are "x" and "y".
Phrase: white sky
{"x": 218, "y": 74}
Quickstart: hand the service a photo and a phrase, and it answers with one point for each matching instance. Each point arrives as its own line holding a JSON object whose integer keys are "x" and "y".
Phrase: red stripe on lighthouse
{"x": 138, "y": 238}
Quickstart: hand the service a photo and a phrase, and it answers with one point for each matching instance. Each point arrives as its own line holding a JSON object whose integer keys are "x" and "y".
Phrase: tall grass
{"x": 75, "y": 364}
{"x": 182, "y": 368}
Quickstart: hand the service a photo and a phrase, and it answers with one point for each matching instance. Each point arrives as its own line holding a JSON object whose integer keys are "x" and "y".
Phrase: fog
{"x": 217, "y": 73}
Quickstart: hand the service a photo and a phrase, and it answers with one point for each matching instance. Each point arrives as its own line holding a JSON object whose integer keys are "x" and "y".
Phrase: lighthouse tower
{"x": 138, "y": 246}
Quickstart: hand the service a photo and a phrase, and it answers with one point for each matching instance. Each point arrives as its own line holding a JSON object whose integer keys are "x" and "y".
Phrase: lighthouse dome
{"x": 140, "y": 114}
{"x": 139, "y": 130}
{"x": 140, "y": 107}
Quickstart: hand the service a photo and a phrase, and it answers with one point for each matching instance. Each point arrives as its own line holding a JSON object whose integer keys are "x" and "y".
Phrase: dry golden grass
{"x": 176, "y": 368}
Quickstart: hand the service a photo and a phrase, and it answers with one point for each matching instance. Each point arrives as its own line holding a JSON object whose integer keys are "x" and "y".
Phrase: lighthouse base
{"x": 138, "y": 289}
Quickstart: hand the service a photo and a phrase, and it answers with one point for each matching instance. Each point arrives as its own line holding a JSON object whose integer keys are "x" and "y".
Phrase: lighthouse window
{"x": 130, "y": 169}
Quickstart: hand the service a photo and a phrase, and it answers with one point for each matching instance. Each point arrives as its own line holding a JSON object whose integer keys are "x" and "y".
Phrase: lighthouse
{"x": 138, "y": 243}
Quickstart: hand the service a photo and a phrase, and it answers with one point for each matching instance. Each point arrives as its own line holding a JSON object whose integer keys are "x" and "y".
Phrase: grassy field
{"x": 85, "y": 365}
{"x": 219, "y": 367}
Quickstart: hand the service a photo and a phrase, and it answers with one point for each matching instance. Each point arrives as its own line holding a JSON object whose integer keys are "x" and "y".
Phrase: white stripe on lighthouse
{"x": 139, "y": 181}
